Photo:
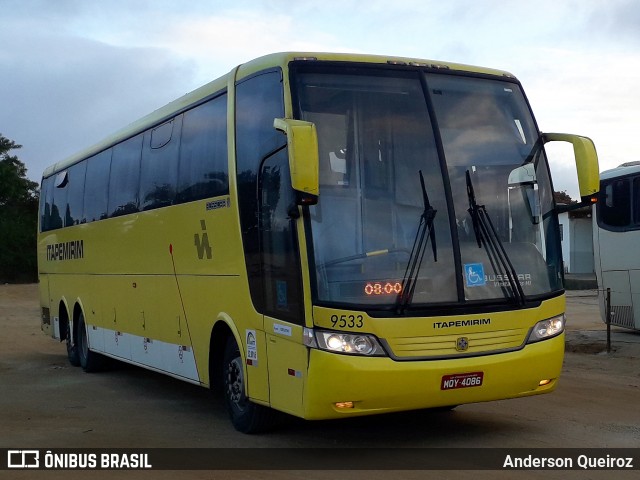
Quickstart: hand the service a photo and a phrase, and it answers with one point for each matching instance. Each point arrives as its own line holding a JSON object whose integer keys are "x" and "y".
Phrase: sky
{"x": 74, "y": 71}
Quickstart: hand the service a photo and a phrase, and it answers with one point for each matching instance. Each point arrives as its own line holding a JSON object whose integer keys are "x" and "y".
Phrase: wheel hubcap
{"x": 235, "y": 383}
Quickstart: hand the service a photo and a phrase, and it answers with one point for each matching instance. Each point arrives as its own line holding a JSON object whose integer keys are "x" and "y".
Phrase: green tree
{"x": 18, "y": 217}
{"x": 563, "y": 197}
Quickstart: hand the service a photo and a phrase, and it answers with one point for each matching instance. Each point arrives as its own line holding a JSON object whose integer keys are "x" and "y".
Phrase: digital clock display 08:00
{"x": 383, "y": 288}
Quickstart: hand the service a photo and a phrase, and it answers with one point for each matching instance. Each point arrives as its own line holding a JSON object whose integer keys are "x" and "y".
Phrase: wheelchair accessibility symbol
{"x": 474, "y": 274}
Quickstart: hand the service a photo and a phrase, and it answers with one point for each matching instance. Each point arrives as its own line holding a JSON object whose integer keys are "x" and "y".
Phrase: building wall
{"x": 581, "y": 249}
{"x": 577, "y": 243}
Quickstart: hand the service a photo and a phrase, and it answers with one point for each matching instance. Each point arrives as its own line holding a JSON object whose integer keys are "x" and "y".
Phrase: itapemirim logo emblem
{"x": 462, "y": 344}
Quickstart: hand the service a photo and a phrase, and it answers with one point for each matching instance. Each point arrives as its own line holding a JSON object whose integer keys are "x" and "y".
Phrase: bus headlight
{"x": 547, "y": 329}
{"x": 340, "y": 342}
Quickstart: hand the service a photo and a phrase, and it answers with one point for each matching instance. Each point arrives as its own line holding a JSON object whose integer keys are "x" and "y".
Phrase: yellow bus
{"x": 325, "y": 235}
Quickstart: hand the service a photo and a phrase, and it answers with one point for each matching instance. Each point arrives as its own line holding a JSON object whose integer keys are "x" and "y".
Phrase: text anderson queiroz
{"x": 581, "y": 462}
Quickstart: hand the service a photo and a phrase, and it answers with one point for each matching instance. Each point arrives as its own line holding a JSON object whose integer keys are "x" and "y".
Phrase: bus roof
{"x": 219, "y": 85}
{"x": 628, "y": 168}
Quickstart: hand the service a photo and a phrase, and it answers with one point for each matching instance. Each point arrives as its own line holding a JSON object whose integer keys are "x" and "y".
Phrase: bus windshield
{"x": 431, "y": 182}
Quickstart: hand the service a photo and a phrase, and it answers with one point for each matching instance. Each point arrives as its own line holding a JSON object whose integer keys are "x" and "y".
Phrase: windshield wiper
{"x": 425, "y": 233}
{"x": 487, "y": 236}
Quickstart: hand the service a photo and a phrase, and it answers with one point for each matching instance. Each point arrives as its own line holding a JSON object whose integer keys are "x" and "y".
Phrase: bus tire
{"x": 72, "y": 346}
{"x": 246, "y": 416}
{"x": 89, "y": 361}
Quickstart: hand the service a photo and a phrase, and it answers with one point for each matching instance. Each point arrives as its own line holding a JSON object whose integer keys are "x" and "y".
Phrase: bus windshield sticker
{"x": 474, "y": 274}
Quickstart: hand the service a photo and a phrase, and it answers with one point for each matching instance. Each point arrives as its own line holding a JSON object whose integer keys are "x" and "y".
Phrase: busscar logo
{"x": 23, "y": 459}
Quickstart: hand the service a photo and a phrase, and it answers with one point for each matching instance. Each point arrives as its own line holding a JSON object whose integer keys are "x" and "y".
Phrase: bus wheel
{"x": 89, "y": 361}
{"x": 72, "y": 347}
{"x": 246, "y": 416}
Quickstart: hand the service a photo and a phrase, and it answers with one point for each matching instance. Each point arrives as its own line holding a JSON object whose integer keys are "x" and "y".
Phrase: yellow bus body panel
{"x": 511, "y": 368}
{"x": 379, "y": 385}
{"x": 130, "y": 286}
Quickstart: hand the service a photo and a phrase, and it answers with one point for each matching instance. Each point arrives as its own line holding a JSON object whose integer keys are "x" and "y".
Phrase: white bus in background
{"x": 616, "y": 244}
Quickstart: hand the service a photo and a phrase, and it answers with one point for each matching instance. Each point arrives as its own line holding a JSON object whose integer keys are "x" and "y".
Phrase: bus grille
{"x": 622, "y": 316}
{"x": 449, "y": 345}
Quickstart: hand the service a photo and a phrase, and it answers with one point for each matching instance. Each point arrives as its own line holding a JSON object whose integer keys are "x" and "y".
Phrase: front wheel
{"x": 246, "y": 416}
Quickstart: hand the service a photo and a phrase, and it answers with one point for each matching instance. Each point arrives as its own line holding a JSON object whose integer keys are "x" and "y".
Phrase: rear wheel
{"x": 72, "y": 347}
{"x": 246, "y": 416}
{"x": 89, "y": 361}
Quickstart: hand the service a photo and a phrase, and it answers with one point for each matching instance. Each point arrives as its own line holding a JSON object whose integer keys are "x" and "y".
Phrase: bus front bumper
{"x": 341, "y": 385}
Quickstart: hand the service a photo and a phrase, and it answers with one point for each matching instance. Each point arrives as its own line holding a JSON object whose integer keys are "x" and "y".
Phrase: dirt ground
{"x": 46, "y": 403}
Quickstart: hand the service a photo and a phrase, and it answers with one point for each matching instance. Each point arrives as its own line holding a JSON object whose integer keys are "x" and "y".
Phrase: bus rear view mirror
{"x": 586, "y": 162}
{"x": 302, "y": 140}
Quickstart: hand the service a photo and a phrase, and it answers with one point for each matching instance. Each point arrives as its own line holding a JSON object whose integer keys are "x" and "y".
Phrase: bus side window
{"x": 96, "y": 192}
{"x": 59, "y": 201}
{"x": 124, "y": 177}
{"x": 259, "y": 100}
{"x": 46, "y": 201}
{"x": 280, "y": 259}
{"x": 636, "y": 201}
{"x": 615, "y": 207}
{"x": 75, "y": 196}
{"x": 159, "y": 165}
{"x": 204, "y": 170}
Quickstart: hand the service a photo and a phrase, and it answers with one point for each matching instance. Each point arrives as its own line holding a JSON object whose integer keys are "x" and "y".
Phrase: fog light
{"x": 544, "y": 382}
{"x": 344, "y": 404}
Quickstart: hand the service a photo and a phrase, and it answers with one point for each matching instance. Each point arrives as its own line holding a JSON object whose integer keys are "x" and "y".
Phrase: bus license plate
{"x": 462, "y": 380}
